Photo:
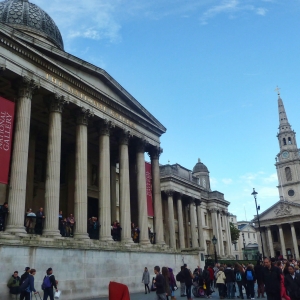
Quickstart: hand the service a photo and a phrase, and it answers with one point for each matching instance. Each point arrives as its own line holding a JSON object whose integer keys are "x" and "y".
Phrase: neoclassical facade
{"x": 280, "y": 223}
{"x": 193, "y": 213}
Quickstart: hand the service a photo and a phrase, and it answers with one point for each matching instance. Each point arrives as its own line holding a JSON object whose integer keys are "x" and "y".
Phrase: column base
{"x": 144, "y": 242}
{"x": 18, "y": 230}
{"x": 51, "y": 233}
{"x": 127, "y": 241}
{"x": 81, "y": 236}
{"x": 106, "y": 239}
{"x": 160, "y": 243}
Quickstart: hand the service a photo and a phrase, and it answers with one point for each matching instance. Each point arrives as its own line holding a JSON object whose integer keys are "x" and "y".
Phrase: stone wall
{"x": 84, "y": 274}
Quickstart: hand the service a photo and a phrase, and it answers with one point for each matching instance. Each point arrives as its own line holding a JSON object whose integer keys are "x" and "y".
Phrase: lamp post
{"x": 245, "y": 255}
{"x": 262, "y": 245}
{"x": 214, "y": 241}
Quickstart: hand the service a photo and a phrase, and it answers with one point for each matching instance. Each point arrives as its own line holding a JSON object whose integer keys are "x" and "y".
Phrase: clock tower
{"x": 288, "y": 159}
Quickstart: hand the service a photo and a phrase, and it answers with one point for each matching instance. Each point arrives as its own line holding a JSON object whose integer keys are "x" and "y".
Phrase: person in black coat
{"x": 40, "y": 216}
{"x": 272, "y": 280}
{"x": 230, "y": 282}
{"x": 249, "y": 277}
{"x": 259, "y": 269}
{"x": 292, "y": 283}
{"x": 3, "y": 214}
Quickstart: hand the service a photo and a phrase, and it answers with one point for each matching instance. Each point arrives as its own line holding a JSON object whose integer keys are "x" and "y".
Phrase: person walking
{"x": 172, "y": 283}
{"x": 180, "y": 278}
{"x": 23, "y": 278}
{"x": 230, "y": 282}
{"x": 146, "y": 280}
{"x": 49, "y": 283}
{"x": 259, "y": 269}
{"x": 188, "y": 279}
{"x": 292, "y": 283}
{"x": 220, "y": 276}
{"x": 271, "y": 279}
{"x": 159, "y": 283}
{"x": 239, "y": 278}
{"x": 250, "y": 280}
{"x": 27, "y": 286}
{"x": 14, "y": 284}
{"x": 166, "y": 274}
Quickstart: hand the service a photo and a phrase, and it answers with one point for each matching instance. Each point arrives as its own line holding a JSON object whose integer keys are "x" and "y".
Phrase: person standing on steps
{"x": 146, "y": 280}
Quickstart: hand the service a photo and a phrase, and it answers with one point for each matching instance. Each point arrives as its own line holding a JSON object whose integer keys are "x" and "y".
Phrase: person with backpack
{"x": 239, "y": 278}
{"x": 14, "y": 284}
{"x": 230, "y": 282}
{"x": 27, "y": 286}
{"x": 180, "y": 278}
{"x": 250, "y": 280}
{"x": 48, "y": 283}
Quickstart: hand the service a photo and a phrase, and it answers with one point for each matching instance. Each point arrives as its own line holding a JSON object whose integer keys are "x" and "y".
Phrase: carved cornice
{"x": 83, "y": 115}
{"x": 56, "y": 103}
{"x": 26, "y": 87}
{"x": 125, "y": 136}
{"x": 155, "y": 152}
{"x": 169, "y": 193}
{"x": 105, "y": 127}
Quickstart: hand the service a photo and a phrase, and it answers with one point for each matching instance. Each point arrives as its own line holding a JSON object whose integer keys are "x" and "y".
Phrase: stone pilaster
{"x": 271, "y": 247}
{"x": 193, "y": 224}
{"x": 18, "y": 175}
{"x": 180, "y": 222}
{"x": 142, "y": 192}
{"x": 228, "y": 233}
{"x": 295, "y": 241}
{"x": 221, "y": 242}
{"x": 170, "y": 194}
{"x": 125, "y": 214}
{"x": 80, "y": 195}
{"x": 282, "y": 242}
{"x": 52, "y": 188}
{"x": 113, "y": 189}
{"x": 104, "y": 180}
{"x": 199, "y": 223}
{"x": 158, "y": 216}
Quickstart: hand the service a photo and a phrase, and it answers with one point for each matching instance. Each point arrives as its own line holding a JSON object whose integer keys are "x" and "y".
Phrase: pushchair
{"x": 197, "y": 288}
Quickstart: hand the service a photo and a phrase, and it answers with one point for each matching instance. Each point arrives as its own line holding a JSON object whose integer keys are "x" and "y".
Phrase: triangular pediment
{"x": 93, "y": 77}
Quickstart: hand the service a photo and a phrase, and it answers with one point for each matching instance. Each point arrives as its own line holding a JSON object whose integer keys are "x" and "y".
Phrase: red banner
{"x": 7, "y": 112}
{"x": 149, "y": 189}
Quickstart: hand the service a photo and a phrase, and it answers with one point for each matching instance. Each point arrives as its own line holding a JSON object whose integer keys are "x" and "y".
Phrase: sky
{"x": 207, "y": 70}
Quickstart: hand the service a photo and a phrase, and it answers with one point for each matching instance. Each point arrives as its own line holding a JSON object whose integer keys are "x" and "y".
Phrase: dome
{"x": 26, "y": 16}
{"x": 200, "y": 167}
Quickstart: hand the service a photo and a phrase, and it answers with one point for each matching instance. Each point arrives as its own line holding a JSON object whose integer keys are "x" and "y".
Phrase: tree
{"x": 235, "y": 233}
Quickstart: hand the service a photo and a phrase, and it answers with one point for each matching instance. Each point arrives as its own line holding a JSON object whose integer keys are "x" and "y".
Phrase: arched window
{"x": 289, "y": 141}
{"x": 288, "y": 174}
{"x": 284, "y": 141}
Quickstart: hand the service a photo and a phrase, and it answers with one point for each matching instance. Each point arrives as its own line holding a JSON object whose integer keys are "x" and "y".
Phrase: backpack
{"x": 249, "y": 275}
{"x": 238, "y": 276}
{"x": 179, "y": 276}
{"x": 46, "y": 283}
{"x": 24, "y": 285}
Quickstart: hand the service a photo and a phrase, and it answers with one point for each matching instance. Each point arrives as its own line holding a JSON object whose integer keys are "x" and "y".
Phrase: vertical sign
{"x": 7, "y": 109}
{"x": 149, "y": 189}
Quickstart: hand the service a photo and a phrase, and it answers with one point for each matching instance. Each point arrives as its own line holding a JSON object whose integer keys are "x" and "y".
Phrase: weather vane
{"x": 277, "y": 90}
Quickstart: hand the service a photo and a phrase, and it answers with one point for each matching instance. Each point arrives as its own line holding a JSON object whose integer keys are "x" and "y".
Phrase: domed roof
{"x": 21, "y": 14}
{"x": 200, "y": 167}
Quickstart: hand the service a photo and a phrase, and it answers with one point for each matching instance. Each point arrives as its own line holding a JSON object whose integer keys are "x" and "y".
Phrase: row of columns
{"x": 282, "y": 241}
{"x": 17, "y": 188}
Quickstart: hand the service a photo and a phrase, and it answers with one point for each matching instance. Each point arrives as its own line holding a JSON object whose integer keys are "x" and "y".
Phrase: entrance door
{"x": 93, "y": 208}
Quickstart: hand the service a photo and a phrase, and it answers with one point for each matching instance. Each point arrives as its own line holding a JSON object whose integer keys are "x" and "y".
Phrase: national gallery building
{"x": 72, "y": 139}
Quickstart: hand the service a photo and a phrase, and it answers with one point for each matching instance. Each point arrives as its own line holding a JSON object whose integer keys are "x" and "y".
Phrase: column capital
{"x": 292, "y": 224}
{"x": 155, "y": 152}
{"x": 279, "y": 226}
{"x": 56, "y": 103}
{"x": 191, "y": 200}
{"x": 213, "y": 210}
{"x": 179, "y": 196}
{"x": 169, "y": 193}
{"x": 198, "y": 202}
{"x": 141, "y": 145}
{"x": 105, "y": 126}
{"x": 125, "y": 136}
{"x": 83, "y": 115}
{"x": 27, "y": 87}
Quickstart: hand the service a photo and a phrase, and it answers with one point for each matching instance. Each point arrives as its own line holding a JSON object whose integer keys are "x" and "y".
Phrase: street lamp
{"x": 262, "y": 245}
{"x": 245, "y": 255}
{"x": 214, "y": 241}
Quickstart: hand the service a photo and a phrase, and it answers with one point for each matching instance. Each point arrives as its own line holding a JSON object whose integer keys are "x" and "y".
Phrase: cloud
{"x": 261, "y": 11}
{"x": 227, "y": 181}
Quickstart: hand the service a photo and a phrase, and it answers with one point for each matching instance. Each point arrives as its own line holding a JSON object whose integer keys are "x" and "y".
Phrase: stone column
{"x": 180, "y": 222}
{"x": 220, "y": 235}
{"x": 193, "y": 224}
{"x": 200, "y": 225}
{"x": 18, "y": 175}
{"x": 270, "y": 242}
{"x": 171, "y": 219}
{"x": 142, "y": 192}
{"x": 80, "y": 195}
{"x": 113, "y": 190}
{"x": 295, "y": 241}
{"x": 282, "y": 242}
{"x": 228, "y": 233}
{"x": 187, "y": 226}
{"x": 158, "y": 215}
{"x": 52, "y": 187}
{"x": 125, "y": 214}
{"x": 215, "y": 226}
{"x": 104, "y": 181}
{"x": 264, "y": 241}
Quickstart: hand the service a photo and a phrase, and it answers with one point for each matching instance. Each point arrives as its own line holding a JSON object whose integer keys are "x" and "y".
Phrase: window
{"x": 254, "y": 235}
{"x": 248, "y": 235}
{"x": 237, "y": 257}
{"x": 221, "y": 221}
{"x": 289, "y": 141}
{"x": 284, "y": 141}
{"x": 288, "y": 174}
{"x": 235, "y": 247}
{"x": 231, "y": 220}
{"x": 205, "y": 219}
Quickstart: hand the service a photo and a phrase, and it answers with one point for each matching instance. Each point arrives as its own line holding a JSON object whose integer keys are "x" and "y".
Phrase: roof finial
{"x": 277, "y": 90}
{"x": 199, "y": 160}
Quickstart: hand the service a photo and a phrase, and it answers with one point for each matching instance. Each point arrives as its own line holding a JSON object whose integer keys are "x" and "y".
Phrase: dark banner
{"x": 149, "y": 189}
{"x": 7, "y": 111}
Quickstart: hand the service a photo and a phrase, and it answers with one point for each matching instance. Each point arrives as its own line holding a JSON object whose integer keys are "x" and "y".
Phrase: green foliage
{"x": 235, "y": 233}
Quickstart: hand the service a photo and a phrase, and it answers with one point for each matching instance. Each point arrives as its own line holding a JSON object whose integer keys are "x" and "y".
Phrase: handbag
{"x": 57, "y": 294}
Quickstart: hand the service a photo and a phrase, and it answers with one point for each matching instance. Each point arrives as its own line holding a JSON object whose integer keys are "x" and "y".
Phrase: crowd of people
{"x": 23, "y": 287}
